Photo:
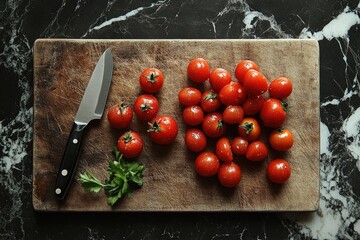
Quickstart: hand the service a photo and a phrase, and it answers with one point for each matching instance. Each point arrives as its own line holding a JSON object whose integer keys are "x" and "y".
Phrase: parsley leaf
{"x": 123, "y": 176}
{"x": 90, "y": 182}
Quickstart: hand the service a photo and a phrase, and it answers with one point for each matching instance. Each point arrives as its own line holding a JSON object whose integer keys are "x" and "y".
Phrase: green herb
{"x": 123, "y": 176}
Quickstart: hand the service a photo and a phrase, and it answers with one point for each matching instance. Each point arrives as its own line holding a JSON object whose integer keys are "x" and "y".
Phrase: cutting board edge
{"x": 309, "y": 40}
{"x": 313, "y": 208}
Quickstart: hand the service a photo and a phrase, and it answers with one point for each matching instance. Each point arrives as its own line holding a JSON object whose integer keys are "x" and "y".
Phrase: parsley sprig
{"x": 123, "y": 176}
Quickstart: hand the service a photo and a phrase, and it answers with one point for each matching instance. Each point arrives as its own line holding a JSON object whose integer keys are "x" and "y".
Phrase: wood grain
{"x": 62, "y": 69}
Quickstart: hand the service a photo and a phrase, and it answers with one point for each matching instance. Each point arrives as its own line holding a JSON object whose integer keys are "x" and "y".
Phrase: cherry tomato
{"x": 213, "y": 125}
{"x": 229, "y": 174}
{"x": 239, "y": 145}
{"x": 233, "y": 114}
{"x": 223, "y": 150}
{"x": 249, "y": 129}
{"x": 151, "y": 80}
{"x": 120, "y": 115}
{"x": 189, "y": 96}
{"x": 281, "y": 139}
{"x": 130, "y": 144}
{"x": 207, "y": 164}
{"x": 195, "y": 140}
{"x": 252, "y": 105}
{"x": 198, "y": 70}
{"x": 243, "y": 67}
{"x": 232, "y": 94}
{"x": 193, "y": 115}
{"x": 146, "y": 107}
{"x": 163, "y": 129}
{"x": 255, "y": 83}
{"x": 219, "y": 77}
{"x": 256, "y": 151}
{"x": 210, "y": 101}
{"x": 273, "y": 113}
{"x": 280, "y": 88}
{"x": 278, "y": 171}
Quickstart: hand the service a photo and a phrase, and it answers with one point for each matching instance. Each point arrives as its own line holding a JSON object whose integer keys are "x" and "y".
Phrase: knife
{"x": 91, "y": 107}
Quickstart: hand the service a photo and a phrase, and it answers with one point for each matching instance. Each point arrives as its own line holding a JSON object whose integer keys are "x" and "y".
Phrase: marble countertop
{"x": 334, "y": 24}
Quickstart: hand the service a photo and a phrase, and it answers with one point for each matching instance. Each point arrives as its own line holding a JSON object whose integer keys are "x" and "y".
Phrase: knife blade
{"x": 91, "y": 107}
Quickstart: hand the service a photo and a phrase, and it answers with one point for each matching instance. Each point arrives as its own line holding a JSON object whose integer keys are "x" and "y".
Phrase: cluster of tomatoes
{"x": 162, "y": 129}
{"x": 239, "y": 105}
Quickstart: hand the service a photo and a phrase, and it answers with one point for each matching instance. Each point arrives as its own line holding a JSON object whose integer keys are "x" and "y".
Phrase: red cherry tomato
{"x": 193, "y": 115}
{"x": 195, "y": 140}
{"x": 146, "y": 107}
{"x": 255, "y": 83}
{"x": 207, "y": 164}
{"x": 210, "y": 101}
{"x": 130, "y": 144}
{"x": 243, "y": 67}
{"x": 151, "y": 80}
{"x": 280, "y": 88}
{"x": 239, "y": 145}
{"x": 120, "y": 115}
{"x": 229, "y": 174}
{"x": 252, "y": 105}
{"x": 223, "y": 150}
{"x": 273, "y": 113}
{"x": 189, "y": 96}
{"x": 281, "y": 139}
{"x": 198, "y": 70}
{"x": 213, "y": 125}
{"x": 249, "y": 128}
{"x": 219, "y": 77}
{"x": 233, "y": 114}
{"x": 163, "y": 129}
{"x": 232, "y": 94}
{"x": 278, "y": 171}
{"x": 256, "y": 151}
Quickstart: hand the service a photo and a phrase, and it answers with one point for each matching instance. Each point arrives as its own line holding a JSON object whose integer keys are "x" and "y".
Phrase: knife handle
{"x": 69, "y": 162}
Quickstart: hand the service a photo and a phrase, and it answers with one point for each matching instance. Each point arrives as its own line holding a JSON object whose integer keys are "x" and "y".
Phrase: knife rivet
{"x": 75, "y": 141}
{"x": 58, "y": 191}
{"x": 64, "y": 172}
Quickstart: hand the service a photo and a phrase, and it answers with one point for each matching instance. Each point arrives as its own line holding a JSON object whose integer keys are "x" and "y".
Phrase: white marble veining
{"x": 15, "y": 139}
{"x": 336, "y": 28}
{"x": 324, "y": 143}
{"x": 123, "y": 17}
{"x": 251, "y": 20}
{"x": 16, "y": 134}
{"x": 351, "y": 128}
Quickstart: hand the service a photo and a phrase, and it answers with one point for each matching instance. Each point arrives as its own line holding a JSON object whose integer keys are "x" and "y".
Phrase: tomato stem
{"x": 152, "y": 77}
{"x": 210, "y": 95}
{"x": 144, "y": 107}
{"x": 248, "y": 127}
{"x": 154, "y": 127}
{"x": 127, "y": 138}
{"x": 220, "y": 124}
{"x": 122, "y": 106}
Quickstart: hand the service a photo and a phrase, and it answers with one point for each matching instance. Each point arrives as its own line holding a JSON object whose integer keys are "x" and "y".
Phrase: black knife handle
{"x": 69, "y": 162}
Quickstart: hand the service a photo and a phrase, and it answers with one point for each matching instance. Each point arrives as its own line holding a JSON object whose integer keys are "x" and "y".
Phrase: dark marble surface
{"x": 335, "y": 24}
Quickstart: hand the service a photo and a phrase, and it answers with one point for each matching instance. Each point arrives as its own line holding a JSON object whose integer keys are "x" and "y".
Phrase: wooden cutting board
{"x": 62, "y": 69}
